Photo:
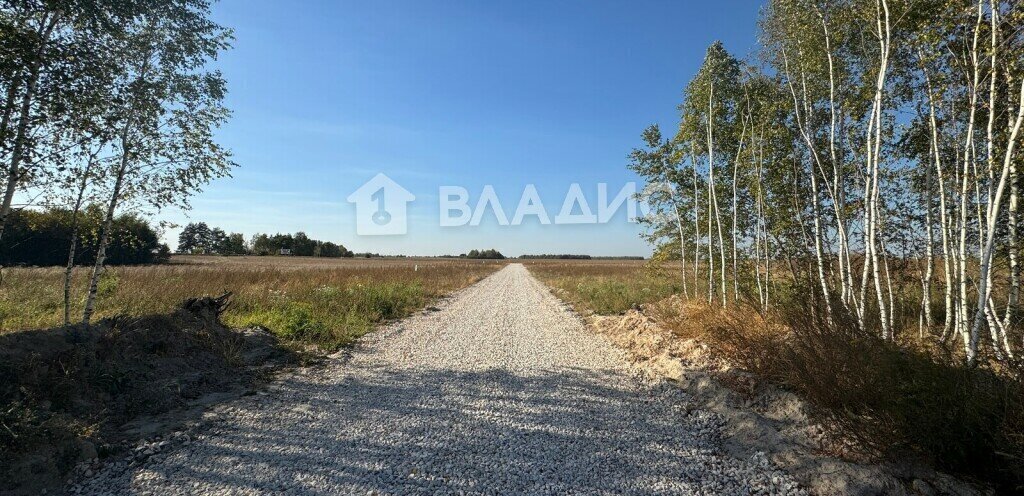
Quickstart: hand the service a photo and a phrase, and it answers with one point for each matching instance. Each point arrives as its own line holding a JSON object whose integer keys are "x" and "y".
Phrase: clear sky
{"x": 326, "y": 94}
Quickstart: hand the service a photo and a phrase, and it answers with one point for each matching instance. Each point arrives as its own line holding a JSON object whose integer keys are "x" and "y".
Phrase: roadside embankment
{"x": 760, "y": 417}
{"x": 71, "y": 396}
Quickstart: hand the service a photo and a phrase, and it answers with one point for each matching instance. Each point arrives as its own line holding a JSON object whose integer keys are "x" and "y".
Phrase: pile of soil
{"x": 66, "y": 393}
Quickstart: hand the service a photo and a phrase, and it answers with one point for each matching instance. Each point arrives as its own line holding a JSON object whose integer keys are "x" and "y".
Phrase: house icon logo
{"x": 381, "y": 206}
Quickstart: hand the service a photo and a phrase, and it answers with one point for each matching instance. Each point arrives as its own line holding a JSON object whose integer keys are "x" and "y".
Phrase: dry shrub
{"x": 687, "y": 319}
{"x": 738, "y": 334}
{"x": 895, "y": 399}
{"x": 744, "y": 337}
{"x": 890, "y": 400}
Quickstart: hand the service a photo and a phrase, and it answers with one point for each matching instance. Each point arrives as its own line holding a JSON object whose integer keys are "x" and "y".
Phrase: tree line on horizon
{"x": 40, "y": 238}
{"x": 488, "y": 254}
{"x": 867, "y": 152}
{"x": 199, "y": 238}
{"x": 110, "y": 103}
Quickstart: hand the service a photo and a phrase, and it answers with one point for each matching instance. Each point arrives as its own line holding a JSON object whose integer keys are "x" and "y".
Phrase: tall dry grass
{"x": 606, "y": 286}
{"x": 327, "y": 302}
{"x": 891, "y": 399}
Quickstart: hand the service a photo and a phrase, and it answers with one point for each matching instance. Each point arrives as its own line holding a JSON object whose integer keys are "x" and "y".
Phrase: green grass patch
{"x": 322, "y": 302}
{"x": 604, "y": 287}
{"x": 331, "y": 316}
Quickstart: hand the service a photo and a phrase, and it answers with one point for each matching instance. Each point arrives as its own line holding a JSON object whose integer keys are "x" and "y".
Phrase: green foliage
{"x": 107, "y": 285}
{"x": 42, "y": 238}
{"x": 302, "y": 246}
{"x": 197, "y": 237}
{"x": 299, "y": 244}
{"x": 295, "y": 321}
{"x": 331, "y": 250}
{"x": 489, "y": 254}
{"x": 232, "y": 244}
{"x": 330, "y": 316}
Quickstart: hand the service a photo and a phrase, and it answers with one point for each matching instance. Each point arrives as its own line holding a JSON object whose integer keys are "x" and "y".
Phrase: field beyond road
{"x": 322, "y": 301}
{"x": 607, "y": 287}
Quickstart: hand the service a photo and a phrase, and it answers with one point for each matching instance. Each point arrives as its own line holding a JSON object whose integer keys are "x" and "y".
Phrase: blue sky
{"x": 326, "y": 94}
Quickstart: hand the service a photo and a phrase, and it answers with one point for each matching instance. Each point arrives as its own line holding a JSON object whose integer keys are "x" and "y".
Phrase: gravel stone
{"x": 500, "y": 389}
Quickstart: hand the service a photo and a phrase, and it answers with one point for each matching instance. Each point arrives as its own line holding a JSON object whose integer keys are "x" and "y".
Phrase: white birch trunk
{"x": 967, "y": 331}
{"x": 82, "y": 186}
{"x": 108, "y": 222}
{"x": 18, "y": 152}
{"x": 944, "y": 223}
{"x": 714, "y": 196}
{"x": 991, "y": 218}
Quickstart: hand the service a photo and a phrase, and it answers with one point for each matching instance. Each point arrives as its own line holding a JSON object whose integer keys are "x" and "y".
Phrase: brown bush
{"x": 890, "y": 400}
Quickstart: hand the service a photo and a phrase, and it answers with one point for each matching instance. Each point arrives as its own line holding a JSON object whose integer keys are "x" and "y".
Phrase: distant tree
{"x": 302, "y": 245}
{"x": 279, "y": 241}
{"x": 490, "y": 254}
{"x": 331, "y": 250}
{"x": 232, "y": 244}
{"x": 261, "y": 244}
{"x": 162, "y": 254}
{"x": 299, "y": 243}
{"x": 216, "y": 240}
{"x": 195, "y": 238}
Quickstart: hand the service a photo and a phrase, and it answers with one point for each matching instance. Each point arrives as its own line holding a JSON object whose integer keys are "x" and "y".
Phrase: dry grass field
{"x": 606, "y": 286}
{"x": 322, "y": 301}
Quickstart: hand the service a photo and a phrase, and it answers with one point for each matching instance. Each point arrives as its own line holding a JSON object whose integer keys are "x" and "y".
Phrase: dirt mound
{"x": 66, "y": 393}
{"x": 759, "y": 418}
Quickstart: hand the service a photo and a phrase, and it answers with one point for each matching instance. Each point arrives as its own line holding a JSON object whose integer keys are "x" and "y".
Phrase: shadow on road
{"x": 567, "y": 430}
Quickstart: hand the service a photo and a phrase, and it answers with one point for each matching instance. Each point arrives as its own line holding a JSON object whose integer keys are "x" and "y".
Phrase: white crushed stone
{"x": 501, "y": 391}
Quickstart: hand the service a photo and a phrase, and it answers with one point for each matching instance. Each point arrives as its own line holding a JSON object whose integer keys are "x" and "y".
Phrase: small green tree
{"x": 165, "y": 110}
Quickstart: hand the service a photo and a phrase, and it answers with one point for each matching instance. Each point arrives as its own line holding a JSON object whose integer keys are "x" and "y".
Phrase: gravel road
{"x": 500, "y": 390}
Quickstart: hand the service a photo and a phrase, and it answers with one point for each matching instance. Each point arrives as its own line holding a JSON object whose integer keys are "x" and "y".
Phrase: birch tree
{"x": 877, "y": 160}
{"x": 54, "y": 58}
{"x": 167, "y": 109}
{"x": 711, "y": 128}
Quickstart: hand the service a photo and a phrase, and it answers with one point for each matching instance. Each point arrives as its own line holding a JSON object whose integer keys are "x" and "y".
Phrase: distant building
{"x": 286, "y": 251}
